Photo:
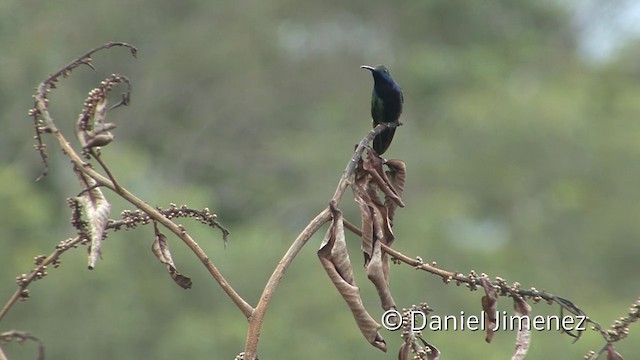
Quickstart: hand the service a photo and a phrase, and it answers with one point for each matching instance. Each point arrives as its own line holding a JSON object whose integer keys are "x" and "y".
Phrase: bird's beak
{"x": 367, "y": 67}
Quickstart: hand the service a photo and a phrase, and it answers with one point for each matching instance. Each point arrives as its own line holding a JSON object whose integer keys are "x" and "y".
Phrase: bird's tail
{"x": 382, "y": 141}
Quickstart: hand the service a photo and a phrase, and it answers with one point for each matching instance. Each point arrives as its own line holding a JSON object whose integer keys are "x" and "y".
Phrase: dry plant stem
{"x": 257, "y": 318}
{"x": 105, "y": 168}
{"x": 426, "y": 267}
{"x": 49, "y": 83}
{"x": 153, "y": 213}
{"x": 600, "y": 351}
{"x": 32, "y": 276}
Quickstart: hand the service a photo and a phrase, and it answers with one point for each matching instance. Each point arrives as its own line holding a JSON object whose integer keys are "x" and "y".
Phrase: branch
{"x": 21, "y": 337}
{"x": 257, "y": 318}
{"x": 178, "y": 230}
{"x": 472, "y": 280}
{"x": 618, "y": 331}
{"x": 50, "y": 83}
{"x": 41, "y": 115}
{"x": 40, "y": 271}
{"x": 130, "y": 220}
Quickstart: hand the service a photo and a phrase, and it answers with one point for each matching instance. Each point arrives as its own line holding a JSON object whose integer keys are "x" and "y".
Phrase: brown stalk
{"x": 41, "y": 111}
{"x": 19, "y": 293}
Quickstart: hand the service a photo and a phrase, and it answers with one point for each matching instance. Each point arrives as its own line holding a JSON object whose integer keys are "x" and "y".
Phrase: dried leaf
{"x": 160, "y": 249}
{"x": 403, "y": 353}
{"x": 397, "y": 175}
{"x": 335, "y": 259}
{"x": 378, "y": 274}
{"x": 366, "y": 213}
{"x": 100, "y": 115}
{"x": 612, "y": 354}
{"x": 97, "y": 210}
{"x": 376, "y": 227}
{"x": 98, "y": 133}
{"x": 373, "y": 166}
{"x": 489, "y": 302}
{"x": 375, "y": 222}
{"x": 523, "y": 337}
{"x": 99, "y": 140}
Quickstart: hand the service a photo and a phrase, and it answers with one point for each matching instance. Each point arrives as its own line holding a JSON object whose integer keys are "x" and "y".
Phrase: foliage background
{"x": 521, "y": 140}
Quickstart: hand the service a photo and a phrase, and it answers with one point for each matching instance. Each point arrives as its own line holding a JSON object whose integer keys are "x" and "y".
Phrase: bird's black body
{"x": 386, "y": 105}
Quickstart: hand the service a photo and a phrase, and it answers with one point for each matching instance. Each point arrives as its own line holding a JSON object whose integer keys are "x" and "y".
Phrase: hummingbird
{"x": 386, "y": 105}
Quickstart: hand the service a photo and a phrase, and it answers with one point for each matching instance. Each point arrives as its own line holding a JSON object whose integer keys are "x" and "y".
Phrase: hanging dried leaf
{"x": 373, "y": 166}
{"x": 97, "y": 210}
{"x": 523, "y": 337}
{"x": 100, "y": 140}
{"x": 160, "y": 249}
{"x": 489, "y": 302}
{"x": 378, "y": 274}
{"x": 397, "y": 175}
{"x": 366, "y": 212}
{"x": 97, "y": 134}
{"x": 376, "y": 227}
{"x": 335, "y": 259}
{"x": 403, "y": 353}
{"x": 375, "y": 221}
{"x": 99, "y": 117}
{"x": 612, "y": 354}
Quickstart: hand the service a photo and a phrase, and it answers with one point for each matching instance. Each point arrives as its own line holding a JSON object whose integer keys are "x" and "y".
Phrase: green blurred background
{"x": 521, "y": 139}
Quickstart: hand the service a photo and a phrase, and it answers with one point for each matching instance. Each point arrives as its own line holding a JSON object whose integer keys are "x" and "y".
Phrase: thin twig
{"x": 26, "y": 281}
{"x": 104, "y": 167}
{"x": 472, "y": 280}
{"x": 41, "y": 102}
{"x": 179, "y": 231}
{"x": 84, "y": 59}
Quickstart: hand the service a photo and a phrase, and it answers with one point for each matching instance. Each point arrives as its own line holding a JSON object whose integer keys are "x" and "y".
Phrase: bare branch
{"x": 41, "y": 113}
{"x": 21, "y": 337}
{"x": 42, "y": 120}
{"x": 39, "y": 272}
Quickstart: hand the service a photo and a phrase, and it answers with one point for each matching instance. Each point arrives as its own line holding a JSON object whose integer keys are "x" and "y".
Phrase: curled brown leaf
{"x": 378, "y": 274}
{"x": 397, "y": 175}
{"x": 160, "y": 249}
{"x": 523, "y": 337}
{"x": 96, "y": 209}
{"x": 373, "y": 165}
{"x": 335, "y": 260}
{"x": 375, "y": 220}
{"x": 489, "y": 302}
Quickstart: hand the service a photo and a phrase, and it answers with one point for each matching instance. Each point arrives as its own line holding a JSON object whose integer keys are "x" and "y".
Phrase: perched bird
{"x": 386, "y": 105}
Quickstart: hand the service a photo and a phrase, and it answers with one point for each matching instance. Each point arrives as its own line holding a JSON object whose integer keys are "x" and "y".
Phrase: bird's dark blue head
{"x": 381, "y": 77}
